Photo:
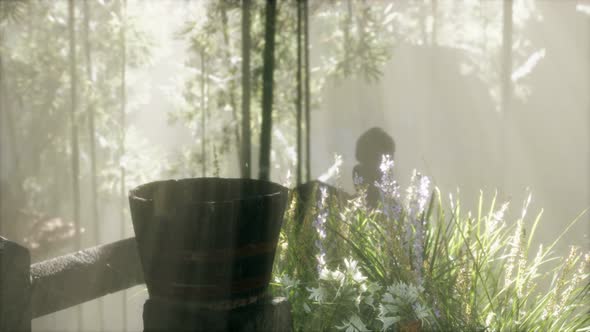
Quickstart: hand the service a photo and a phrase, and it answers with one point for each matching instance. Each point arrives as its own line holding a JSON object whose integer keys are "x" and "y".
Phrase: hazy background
{"x": 439, "y": 99}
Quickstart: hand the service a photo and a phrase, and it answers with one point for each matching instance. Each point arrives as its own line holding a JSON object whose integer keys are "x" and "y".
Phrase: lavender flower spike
{"x": 416, "y": 199}
{"x": 388, "y": 189}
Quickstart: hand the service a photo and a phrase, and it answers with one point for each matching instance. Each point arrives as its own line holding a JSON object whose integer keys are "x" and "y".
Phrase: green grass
{"x": 471, "y": 272}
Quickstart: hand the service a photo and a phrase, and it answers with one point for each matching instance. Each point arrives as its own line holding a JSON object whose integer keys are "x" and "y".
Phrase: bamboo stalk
{"x": 232, "y": 85}
{"x": 506, "y": 87}
{"x": 74, "y": 137}
{"x": 92, "y": 145}
{"x": 299, "y": 92}
{"x": 267, "y": 90}
{"x": 246, "y": 134}
{"x": 307, "y": 92}
{"x": 2, "y": 101}
{"x": 123, "y": 96}
{"x": 203, "y": 116}
{"x": 6, "y": 110}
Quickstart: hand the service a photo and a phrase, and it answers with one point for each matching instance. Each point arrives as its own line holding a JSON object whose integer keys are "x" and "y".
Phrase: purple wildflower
{"x": 437, "y": 313}
{"x": 417, "y": 194}
{"x": 357, "y": 180}
{"x": 416, "y": 199}
{"x": 389, "y": 189}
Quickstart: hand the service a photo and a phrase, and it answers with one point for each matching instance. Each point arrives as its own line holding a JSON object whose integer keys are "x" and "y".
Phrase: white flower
{"x": 287, "y": 281}
{"x": 317, "y": 294}
{"x": 358, "y": 276}
{"x": 325, "y": 274}
{"x": 353, "y": 270}
{"x": 329, "y": 275}
{"x": 320, "y": 226}
{"x": 321, "y": 259}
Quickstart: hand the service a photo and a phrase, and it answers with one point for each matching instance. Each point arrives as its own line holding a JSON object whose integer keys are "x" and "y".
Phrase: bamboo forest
{"x": 295, "y": 165}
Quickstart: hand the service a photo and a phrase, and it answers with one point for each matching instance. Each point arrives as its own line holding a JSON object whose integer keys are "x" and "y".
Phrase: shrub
{"x": 411, "y": 263}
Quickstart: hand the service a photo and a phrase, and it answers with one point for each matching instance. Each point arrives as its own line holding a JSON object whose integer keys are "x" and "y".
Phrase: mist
{"x": 164, "y": 82}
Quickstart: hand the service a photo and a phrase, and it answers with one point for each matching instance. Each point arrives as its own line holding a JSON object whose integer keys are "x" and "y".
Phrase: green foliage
{"x": 358, "y": 43}
{"x": 12, "y": 10}
{"x": 216, "y": 40}
{"x": 346, "y": 266}
{"x": 36, "y": 66}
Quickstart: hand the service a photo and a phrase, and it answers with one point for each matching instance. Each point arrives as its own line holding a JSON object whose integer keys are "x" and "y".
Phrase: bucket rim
{"x": 133, "y": 194}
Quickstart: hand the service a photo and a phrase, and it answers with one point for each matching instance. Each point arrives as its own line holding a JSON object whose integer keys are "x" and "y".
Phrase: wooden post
{"x": 28, "y": 292}
{"x": 268, "y": 314}
{"x": 15, "y": 313}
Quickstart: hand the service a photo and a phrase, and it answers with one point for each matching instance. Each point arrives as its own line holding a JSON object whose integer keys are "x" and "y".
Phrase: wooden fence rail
{"x": 30, "y": 291}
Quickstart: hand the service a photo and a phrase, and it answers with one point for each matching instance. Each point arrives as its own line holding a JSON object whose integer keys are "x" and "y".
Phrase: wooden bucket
{"x": 207, "y": 240}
